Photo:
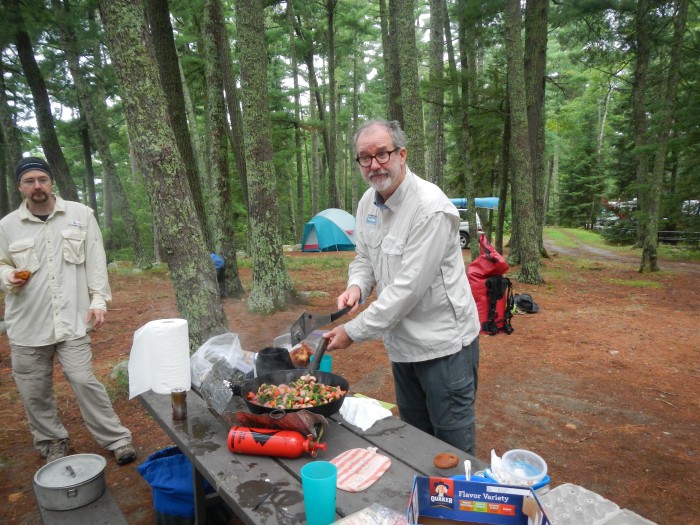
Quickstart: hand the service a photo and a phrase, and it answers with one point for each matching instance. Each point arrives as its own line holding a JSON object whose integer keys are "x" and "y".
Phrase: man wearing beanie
{"x": 54, "y": 270}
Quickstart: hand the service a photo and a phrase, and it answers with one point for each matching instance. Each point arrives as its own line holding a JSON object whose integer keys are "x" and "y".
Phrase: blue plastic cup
{"x": 326, "y": 362}
{"x": 318, "y": 480}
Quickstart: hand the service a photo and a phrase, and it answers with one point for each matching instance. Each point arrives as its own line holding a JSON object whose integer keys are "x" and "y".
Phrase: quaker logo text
{"x": 371, "y": 219}
{"x": 441, "y": 494}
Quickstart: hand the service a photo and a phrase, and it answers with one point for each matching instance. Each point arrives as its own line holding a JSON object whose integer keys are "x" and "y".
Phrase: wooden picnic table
{"x": 266, "y": 490}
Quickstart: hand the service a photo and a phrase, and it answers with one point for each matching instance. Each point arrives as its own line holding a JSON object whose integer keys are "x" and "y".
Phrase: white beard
{"x": 380, "y": 184}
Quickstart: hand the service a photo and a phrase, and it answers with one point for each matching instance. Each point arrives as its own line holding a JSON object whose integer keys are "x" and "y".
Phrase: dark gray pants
{"x": 438, "y": 396}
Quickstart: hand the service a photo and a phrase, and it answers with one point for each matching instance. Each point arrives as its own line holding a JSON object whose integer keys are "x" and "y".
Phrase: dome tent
{"x": 330, "y": 230}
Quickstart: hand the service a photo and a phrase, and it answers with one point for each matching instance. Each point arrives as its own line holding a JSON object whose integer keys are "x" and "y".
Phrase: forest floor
{"x": 602, "y": 382}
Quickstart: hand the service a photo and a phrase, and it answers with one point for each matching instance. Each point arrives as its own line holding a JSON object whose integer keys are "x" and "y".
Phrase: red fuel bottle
{"x": 271, "y": 442}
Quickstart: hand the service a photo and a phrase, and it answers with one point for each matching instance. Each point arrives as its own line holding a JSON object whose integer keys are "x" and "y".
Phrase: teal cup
{"x": 326, "y": 363}
{"x": 318, "y": 480}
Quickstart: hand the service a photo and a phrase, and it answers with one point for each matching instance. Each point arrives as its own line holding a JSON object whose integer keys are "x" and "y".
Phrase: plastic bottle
{"x": 271, "y": 442}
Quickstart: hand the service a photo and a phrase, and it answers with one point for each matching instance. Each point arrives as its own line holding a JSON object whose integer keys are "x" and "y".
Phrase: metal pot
{"x": 70, "y": 482}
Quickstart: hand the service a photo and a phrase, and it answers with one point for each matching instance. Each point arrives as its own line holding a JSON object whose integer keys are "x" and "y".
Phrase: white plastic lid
{"x": 524, "y": 466}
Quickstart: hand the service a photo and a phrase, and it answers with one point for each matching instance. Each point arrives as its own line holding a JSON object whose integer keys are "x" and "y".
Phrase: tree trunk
{"x": 95, "y": 112}
{"x": 464, "y": 133}
{"x": 536, "y": 17}
{"x": 639, "y": 114}
{"x": 525, "y": 222}
{"x": 650, "y": 241}
{"x": 355, "y": 120}
{"x": 315, "y": 173}
{"x": 334, "y": 202}
{"x": 182, "y": 240}
{"x": 162, "y": 37}
{"x": 299, "y": 225}
{"x": 12, "y": 142}
{"x": 392, "y": 72}
{"x": 505, "y": 179}
{"x": 233, "y": 103}
{"x": 272, "y": 289}
{"x": 217, "y": 151}
{"x": 42, "y": 106}
{"x": 411, "y": 103}
{"x": 436, "y": 99}
{"x": 89, "y": 170}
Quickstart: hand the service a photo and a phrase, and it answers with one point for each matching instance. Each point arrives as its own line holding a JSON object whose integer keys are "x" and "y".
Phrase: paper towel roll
{"x": 160, "y": 357}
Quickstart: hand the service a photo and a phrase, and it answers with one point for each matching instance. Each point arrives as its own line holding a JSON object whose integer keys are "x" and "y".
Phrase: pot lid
{"x": 70, "y": 470}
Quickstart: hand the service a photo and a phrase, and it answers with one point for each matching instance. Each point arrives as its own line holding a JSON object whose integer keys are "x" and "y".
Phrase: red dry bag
{"x": 492, "y": 291}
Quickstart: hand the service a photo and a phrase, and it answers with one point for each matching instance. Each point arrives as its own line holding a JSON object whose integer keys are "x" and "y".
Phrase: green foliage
{"x": 592, "y": 48}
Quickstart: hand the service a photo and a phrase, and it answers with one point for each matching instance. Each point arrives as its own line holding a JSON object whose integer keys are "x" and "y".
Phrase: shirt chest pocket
{"x": 73, "y": 246}
{"x": 392, "y": 249}
{"x": 23, "y": 253}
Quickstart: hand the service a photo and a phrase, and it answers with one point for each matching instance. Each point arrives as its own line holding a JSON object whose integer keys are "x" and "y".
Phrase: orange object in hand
{"x": 271, "y": 442}
{"x": 23, "y": 274}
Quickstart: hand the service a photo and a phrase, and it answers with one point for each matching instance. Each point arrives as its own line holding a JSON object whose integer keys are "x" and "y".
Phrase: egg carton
{"x": 570, "y": 504}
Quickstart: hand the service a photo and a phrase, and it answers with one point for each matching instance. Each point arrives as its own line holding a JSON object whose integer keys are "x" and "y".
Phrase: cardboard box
{"x": 444, "y": 501}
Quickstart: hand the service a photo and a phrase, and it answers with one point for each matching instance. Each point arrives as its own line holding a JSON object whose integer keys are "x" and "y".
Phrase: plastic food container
{"x": 524, "y": 466}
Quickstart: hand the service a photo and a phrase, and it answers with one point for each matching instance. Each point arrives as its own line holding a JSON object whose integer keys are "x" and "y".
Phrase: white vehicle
{"x": 464, "y": 228}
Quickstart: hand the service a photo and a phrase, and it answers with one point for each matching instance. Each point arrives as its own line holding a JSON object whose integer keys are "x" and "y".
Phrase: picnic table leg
{"x": 200, "y": 500}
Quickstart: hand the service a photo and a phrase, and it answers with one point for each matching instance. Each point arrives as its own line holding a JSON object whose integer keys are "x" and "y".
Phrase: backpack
{"x": 493, "y": 293}
{"x": 499, "y": 291}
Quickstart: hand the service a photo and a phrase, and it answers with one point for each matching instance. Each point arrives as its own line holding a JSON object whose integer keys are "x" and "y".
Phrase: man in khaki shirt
{"x": 53, "y": 268}
{"x": 407, "y": 251}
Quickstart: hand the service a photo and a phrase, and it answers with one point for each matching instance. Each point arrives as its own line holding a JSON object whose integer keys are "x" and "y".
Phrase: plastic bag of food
{"x": 225, "y": 347}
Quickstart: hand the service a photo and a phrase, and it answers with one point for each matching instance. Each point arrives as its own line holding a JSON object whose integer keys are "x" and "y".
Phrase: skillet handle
{"x": 318, "y": 354}
{"x": 340, "y": 313}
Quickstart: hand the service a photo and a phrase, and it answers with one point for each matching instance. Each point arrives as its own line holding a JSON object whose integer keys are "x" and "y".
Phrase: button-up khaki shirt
{"x": 69, "y": 273}
{"x": 408, "y": 249}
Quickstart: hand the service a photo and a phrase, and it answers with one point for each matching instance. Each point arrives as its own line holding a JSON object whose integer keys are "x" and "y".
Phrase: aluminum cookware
{"x": 70, "y": 482}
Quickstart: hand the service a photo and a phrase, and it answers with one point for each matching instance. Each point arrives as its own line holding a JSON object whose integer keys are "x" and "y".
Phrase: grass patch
{"x": 635, "y": 283}
{"x": 117, "y": 383}
{"x": 329, "y": 261}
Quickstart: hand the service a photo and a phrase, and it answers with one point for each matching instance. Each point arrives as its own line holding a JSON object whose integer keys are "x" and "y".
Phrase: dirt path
{"x": 602, "y": 382}
{"x": 585, "y": 251}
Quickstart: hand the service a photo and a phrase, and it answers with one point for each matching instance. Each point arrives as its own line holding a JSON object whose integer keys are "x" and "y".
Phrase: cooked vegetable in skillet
{"x": 304, "y": 392}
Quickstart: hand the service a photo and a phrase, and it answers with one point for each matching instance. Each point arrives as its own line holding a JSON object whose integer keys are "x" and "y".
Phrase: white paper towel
{"x": 160, "y": 357}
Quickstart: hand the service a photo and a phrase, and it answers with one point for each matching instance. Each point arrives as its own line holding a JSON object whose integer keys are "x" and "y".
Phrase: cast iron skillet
{"x": 287, "y": 376}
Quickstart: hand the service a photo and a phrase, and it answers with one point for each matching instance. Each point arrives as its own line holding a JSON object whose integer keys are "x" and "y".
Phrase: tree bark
{"x": 12, "y": 142}
{"x": 163, "y": 40}
{"x": 411, "y": 103}
{"x": 536, "y": 18}
{"x": 89, "y": 169}
{"x": 639, "y": 112}
{"x": 232, "y": 97}
{"x": 217, "y": 141}
{"x": 272, "y": 289}
{"x": 653, "y": 201}
{"x": 42, "y": 106}
{"x": 520, "y": 157}
{"x": 464, "y": 133}
{"x": 391, "y": 62}
{"x": 436, "y": 99}
{"x": 334, "y": 202}
{"x": 299, "y": 225}
{"x": 95, "y": 112}
{"x": 182, "y": 240}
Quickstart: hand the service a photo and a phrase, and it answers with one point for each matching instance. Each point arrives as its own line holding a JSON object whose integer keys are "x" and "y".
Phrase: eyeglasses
{"x": 31, "y": 182}
{"x": 382, "y": 158}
